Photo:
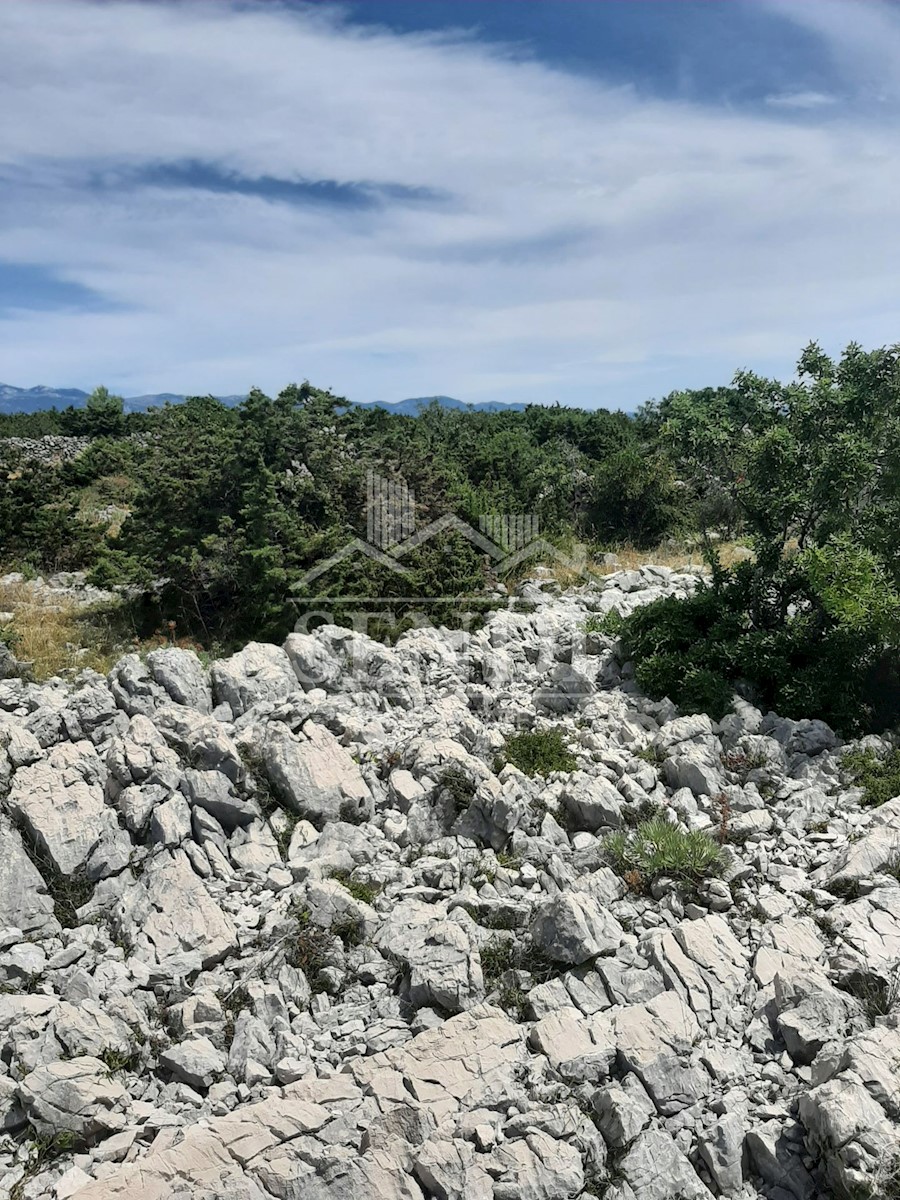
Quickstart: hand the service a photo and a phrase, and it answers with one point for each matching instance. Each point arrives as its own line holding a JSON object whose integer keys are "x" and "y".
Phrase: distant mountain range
{"x": 39, "y": 399}
{"x": 411, "y": 408}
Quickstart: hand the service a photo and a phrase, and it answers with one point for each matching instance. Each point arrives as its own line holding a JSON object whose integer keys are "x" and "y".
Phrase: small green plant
{"x": 878, "y": 775}
{"x": 42, "y": 1150}
{"x": 233, "y": 1004}
{"x": 493, "y": 918}
{"x": 456, "y": 784}
{"x": 885, "y": 1184}
{"x": 514, "y": 1001}
{"x": 654, "y": 755}
{"x": 656, "y": 848}
{"x": 497, "y": 957}
{"x": 608, "y": 623}
{"x": 878, "y": 997}
{"x": 120, "y": 1060}
{"x": 487, "y": 870}
{"x": 845, "y": 889}
{"x": 502, "y": 954}
{"x": 308, "y": 944}
{"x": 9, "y": 637}
{"x": 366, "y": 893}
{"x": 645, "y": 810}
{"x": 389, "y": 760}
{"x": 509, "y": 862}
{"x": 352, "y": 814}
{"x": 68, "y": 892}
{"x": 742, "y": 762}
{"x": 539, "y": 753}
{"x": 595, "y": 1185}
{"x": 349, "y": 930}
{"x": 285, "y": 831}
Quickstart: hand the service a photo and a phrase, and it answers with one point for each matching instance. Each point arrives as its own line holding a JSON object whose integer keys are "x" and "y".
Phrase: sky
{"x": 593, "y": 202}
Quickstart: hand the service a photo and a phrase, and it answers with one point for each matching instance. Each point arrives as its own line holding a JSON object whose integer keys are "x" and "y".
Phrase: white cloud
{"x": 596, "y": 246}
{"x": 808, "y": 100}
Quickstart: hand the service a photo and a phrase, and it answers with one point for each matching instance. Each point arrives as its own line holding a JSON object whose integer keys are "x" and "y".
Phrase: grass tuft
{"x": 656, "y": 848}
{"x": 366, "y": 893}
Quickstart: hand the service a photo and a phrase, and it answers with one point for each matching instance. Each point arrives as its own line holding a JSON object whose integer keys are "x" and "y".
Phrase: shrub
{"x": 456, "y": 784}
{"x": 878, "y": 997}
{"x": 609, "y": 623}
{"x": 656, "y": 848}
{"x": 308, "y": 945}
{"x": 120, "y": 1060}
{"x": 878, "y": 775}
{"x": 787, "y": 636}
{"x": 366, "y": 893}
{"x": 539, "y": 753}
{"x": 502, "y": 954}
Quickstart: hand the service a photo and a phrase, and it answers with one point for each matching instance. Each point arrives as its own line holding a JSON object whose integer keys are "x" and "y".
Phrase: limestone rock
{"x": 24, "y": 901}
{"x": 196, "y": 1061}
{"x": 74, "y": 1096}
{"x": 60, "y": 801}
{"x": 314, "y": 775}
{"x": 574, "y": 927}
{"x": 258, "y": 672}
{"x": 183, "y": 677}
{"x": 172, "y": 921}
{"x": 439, "y": 954}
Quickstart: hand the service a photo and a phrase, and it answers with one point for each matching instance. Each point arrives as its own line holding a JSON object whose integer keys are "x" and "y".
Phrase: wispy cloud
{"x": 263, "y": 193}
{"x": 808, "y": 100}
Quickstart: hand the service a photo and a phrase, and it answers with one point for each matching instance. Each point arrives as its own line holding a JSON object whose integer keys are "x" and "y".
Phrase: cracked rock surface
{"x": 288, "y": 929}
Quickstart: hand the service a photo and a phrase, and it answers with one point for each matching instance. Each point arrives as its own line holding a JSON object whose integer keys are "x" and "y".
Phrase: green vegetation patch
{"x": 366, "y": 893}
{"x": 656, "y": 848}
{"x": 539, "y": 753}
{"x": 877, "y": 774}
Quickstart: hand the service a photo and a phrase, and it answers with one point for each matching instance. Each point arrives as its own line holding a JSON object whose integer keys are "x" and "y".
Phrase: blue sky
{"x": 590, "y": 201}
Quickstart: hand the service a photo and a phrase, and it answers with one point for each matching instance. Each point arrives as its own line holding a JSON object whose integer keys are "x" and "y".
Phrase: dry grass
{"x": 55, "y": 637}
{"x": 677, "y": 557}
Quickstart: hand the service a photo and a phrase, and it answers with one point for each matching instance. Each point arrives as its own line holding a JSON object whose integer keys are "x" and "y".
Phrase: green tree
{"x": 104, "y": 414}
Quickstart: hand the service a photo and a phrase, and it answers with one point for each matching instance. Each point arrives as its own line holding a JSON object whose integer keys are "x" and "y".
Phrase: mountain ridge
{"x": 41, "y": 398}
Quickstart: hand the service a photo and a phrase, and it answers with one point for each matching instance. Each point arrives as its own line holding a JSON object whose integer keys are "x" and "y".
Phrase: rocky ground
{"x": 288, "y": 929}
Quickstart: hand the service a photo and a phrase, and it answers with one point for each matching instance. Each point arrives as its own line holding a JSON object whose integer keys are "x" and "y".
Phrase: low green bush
{"x": 815, "y": 636}
{"x": 539, "y": 753}
{"x": 307, "y": 946}
{"x": 366, "y": 893}
{"x": 656, "y": 848}
{"x": 609, "y": 623}
{"x": 456, "y": 784}
{"x": 878, "y": 775}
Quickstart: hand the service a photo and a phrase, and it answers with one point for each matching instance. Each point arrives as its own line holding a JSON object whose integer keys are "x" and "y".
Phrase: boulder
{"x": 574, "y": 927}
{"x": 60, "y": 801}
{"x": 74, "y": 1096}
{"x": 437, "y": 950}
{"x": 314, "y": 775}
{"x": 196, "y": 1062}
{"x": 591, "y": 803}
{"x": 213, "y": 792}
{"x": 24, "y": 901}
{"x": 258, "y": 672}
{"x": 721, "y": 1147}
{"x": 183, "y": 677}
{"x": 313, "y": 663}
{"x": 656, "y": 1169}
{"x": 171, "y": 920}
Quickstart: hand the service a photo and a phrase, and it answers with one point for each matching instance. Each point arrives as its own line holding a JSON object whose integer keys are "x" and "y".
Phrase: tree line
{"x": 214, "y": 513}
